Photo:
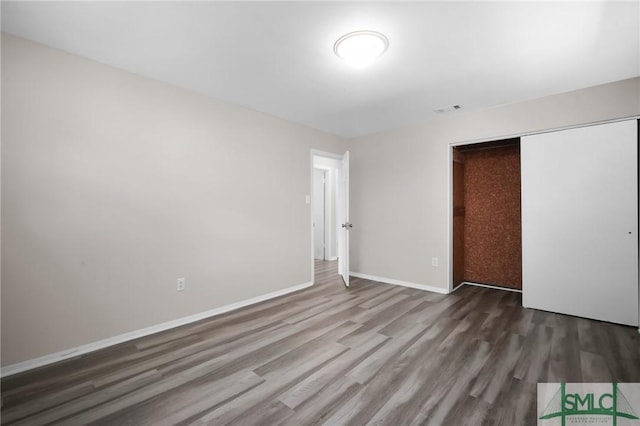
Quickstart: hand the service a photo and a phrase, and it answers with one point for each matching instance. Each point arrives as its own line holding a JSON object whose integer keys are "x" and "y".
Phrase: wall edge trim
{"x": 400, "y": 283}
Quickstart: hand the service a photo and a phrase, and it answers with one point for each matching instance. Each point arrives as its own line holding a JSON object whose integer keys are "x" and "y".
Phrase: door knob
{"x": 347, "y": 225}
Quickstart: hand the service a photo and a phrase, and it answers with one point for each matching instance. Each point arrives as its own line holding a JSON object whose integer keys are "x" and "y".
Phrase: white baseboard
{"x": 400, "y": 283}
{"x": 101, "y": 344}
{"x": 333, "y": 258}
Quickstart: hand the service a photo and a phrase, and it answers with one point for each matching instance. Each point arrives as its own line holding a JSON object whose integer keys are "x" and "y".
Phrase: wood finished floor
{"x": 372, "y": 354}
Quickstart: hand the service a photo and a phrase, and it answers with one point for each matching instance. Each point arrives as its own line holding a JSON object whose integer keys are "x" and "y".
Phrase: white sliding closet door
{"x": 580, "y": 222}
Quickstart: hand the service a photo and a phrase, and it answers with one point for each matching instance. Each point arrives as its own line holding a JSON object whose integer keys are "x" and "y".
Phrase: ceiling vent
{"x": 447, "y": 109}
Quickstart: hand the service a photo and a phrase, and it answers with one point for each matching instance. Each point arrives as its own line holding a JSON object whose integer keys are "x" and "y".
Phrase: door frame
{"x": 324, "y": 154}
{"x": 489, "y": 139}
{"x": 494, "y": 145}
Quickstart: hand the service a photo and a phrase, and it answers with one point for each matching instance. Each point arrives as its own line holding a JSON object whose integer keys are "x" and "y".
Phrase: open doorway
{"x": 323, "y": 213}
{"x": 329, "y": 210}
{"x": 486, "y": 210}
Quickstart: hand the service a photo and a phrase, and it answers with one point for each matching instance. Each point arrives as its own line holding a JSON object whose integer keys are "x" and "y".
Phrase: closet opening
{"x": 487, "y": 225}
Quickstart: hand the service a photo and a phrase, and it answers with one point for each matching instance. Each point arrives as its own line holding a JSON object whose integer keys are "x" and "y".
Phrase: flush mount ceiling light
{"x": 360, "y": 48}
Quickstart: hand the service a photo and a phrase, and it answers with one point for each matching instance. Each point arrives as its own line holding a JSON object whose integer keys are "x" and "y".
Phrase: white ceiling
{"x": 278, "y": 57}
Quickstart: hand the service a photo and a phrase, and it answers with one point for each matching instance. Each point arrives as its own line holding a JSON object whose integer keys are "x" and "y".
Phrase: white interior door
{"x": 318, "y": 214}
{"x": 345, "y": 225}
{"x": 580, "y": 222}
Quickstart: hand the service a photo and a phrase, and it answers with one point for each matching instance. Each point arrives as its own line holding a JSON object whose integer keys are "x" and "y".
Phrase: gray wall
{"x": 115, "y": 185}
{"x": 400, "y": 179}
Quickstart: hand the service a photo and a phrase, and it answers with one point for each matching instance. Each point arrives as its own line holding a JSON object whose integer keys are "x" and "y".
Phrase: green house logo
{"x": 588, "y": 403}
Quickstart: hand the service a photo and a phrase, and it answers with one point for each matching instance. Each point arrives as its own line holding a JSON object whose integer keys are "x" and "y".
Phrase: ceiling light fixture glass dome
{"x": 360, "y": 48}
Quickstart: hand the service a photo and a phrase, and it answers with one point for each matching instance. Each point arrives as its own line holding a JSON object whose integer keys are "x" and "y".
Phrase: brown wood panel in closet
{"x": 492, "y": 223}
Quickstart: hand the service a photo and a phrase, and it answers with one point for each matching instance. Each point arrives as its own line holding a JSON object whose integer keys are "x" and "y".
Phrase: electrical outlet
{"x": 180, "y": 284}
{"x": 434, "y": 261}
